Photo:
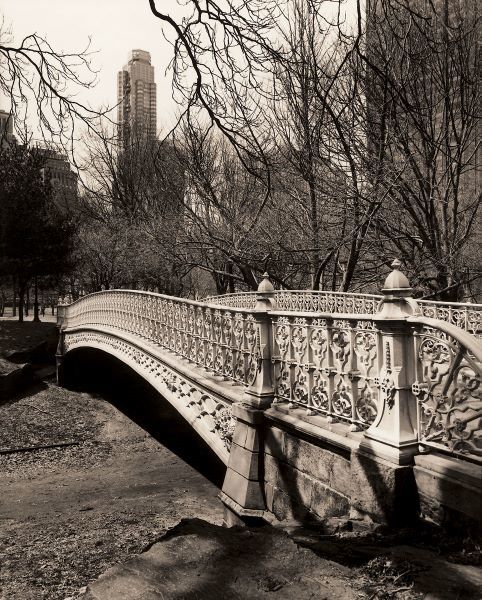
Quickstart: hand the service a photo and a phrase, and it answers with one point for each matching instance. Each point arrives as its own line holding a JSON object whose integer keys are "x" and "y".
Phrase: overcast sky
{"x": 115, "y": 26}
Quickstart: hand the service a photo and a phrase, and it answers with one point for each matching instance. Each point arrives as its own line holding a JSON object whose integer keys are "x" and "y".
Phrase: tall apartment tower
{"x": 136, "y": 97}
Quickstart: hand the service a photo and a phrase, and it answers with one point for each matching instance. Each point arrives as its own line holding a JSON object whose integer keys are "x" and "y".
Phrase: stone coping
{"x": 464, "y": 471}
{"x": 315, "y": 426}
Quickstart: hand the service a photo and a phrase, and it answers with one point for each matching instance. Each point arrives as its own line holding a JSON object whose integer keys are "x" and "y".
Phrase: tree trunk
{"x": 335, "y": 272}
{"x": 229, "y": 268}
{"x": 36, "y": 317}
{"x": 27, "y": 300}
{"x": 21, "y": 300}
{"x": 14, "y": 299}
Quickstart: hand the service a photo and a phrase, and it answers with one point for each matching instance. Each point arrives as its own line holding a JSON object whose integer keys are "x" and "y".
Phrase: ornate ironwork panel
{"x": 448, "y": 390}
{"x": 466, "y": 316}
{"x": 327, "y": 366}
{"x": 222, "y": 341}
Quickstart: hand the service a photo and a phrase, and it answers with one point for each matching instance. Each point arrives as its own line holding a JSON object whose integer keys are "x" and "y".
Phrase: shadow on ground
{"x": 103, "y": 375}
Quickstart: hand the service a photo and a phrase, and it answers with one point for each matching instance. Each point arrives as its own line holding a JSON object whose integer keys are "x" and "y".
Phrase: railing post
{"x": 260, "y": 393}
{"x": 59, "y": 353}
{"x": 393, "y": 434}
{"x": 243, "y": 488}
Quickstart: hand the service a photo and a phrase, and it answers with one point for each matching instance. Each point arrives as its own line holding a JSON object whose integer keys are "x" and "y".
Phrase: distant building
{"x": 6, "y": 129}
{"x": 136, "y": 96}
{"x": 57, "y": 170}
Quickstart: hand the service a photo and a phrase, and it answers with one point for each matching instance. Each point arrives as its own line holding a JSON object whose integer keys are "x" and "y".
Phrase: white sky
{"x": 115, "y": 26}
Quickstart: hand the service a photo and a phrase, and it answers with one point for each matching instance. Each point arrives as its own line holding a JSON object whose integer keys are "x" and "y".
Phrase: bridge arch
{"x": 208, "y": 412}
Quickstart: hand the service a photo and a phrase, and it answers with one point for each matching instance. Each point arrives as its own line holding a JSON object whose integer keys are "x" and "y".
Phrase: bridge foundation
{"x": 243, "y": 489}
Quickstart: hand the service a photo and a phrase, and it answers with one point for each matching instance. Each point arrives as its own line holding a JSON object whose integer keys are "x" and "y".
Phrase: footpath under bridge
{"x": 320, "y": 404}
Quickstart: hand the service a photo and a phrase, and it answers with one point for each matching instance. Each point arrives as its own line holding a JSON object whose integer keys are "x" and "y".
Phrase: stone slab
{"x": 203, "y": 561}
{"x": 245, "y": 492}
{"x": 244, "y": 462}
{"x": 384, "y": 491}
{"x": 274, "y": 442}
{"x": 320, "y": 463}
{"x": 464, "y": 471}
{"x": 326, "y": 503}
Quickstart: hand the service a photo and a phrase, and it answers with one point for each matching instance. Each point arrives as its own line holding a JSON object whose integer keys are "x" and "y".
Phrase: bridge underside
{"x": 203, "y": 402}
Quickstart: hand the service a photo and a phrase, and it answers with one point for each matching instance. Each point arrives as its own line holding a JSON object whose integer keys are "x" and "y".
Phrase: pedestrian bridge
{"x": 318, "y": 403}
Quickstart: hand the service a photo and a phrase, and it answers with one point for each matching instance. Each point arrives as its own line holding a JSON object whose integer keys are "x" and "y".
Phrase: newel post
{"x": 259, "y": 393}
{"x": 59, "y": 353}
{"x": 393, "y": 434}
{"x": 243, "y": 489}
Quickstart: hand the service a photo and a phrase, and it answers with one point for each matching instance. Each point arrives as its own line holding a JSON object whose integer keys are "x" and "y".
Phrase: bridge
{"x": 319, "y": 404}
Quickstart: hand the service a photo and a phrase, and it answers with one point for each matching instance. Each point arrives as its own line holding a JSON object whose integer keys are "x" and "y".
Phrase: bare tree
{"x": 423, "y": 99}
{"x": 42, "y": 84}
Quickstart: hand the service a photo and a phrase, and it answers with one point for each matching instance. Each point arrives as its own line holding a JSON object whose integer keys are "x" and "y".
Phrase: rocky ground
{"x": 85, "y": 492}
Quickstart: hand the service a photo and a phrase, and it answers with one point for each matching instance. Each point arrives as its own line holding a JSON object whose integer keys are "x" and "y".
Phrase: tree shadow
{"x": 432, "y": 561}
{"x": 19, "y": 340}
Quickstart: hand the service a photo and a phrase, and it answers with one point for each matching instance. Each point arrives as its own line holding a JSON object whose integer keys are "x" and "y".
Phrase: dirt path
{"x": 68, "y": 514}
{"x": 83, "y": 515}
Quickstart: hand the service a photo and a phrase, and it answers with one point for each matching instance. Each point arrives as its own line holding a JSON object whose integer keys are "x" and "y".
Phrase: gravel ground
{"x": 67, "y": 514}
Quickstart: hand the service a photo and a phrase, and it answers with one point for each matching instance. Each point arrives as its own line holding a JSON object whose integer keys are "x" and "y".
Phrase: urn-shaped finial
{"x": 265, "y": 284}
{"x": 265, "y": 294}
{"x": 398, "y": 301}
{"x": 397, "y": 284}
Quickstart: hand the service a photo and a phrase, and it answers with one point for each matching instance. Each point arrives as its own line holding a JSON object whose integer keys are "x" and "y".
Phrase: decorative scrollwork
{"x": 300, "y": 386}
{"x": 342, "y": 400}
{"x": 319, "y": 393}
{"x": 366, "y": 404}
{"x": 225, "y": 424}
{"x": 282, "y": 338}
{"x": 318, "y": 343}
{"x": 449, "y": 396}
{"x": 341, "y": 347}
{"x": 465, "y": 316}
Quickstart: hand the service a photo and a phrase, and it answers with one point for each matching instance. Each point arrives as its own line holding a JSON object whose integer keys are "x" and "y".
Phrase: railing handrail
{"x": 210, "y": 300}
{"x": 441, "y": 303}
{"x": 157, "y": 295}
{"x": 460, "y": 335}
{"x": 251, "y": 293}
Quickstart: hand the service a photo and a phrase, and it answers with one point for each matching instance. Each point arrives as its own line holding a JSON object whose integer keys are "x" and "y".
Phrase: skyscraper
{"x": 136, "y": 96}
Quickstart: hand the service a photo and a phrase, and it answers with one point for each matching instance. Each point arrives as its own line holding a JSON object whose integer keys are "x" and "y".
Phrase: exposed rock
{"x": 200, "y": 560}
{"x": 13, "y": 377}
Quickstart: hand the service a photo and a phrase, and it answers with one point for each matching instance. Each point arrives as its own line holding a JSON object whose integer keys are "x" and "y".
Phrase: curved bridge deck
{"x": 385, "y": 379}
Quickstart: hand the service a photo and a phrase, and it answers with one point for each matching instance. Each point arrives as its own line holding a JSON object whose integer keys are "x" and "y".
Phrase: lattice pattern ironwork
{"x": 328, "y": 366}
{"x": 466, "y": 316}
{"x": 223, "y": 341}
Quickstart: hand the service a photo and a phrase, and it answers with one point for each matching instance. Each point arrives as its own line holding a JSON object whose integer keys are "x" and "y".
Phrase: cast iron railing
{"x": 342, "y": 364}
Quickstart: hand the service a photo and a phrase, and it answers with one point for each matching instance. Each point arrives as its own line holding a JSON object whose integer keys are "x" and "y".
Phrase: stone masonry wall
{"x": 312, "y": 479}
{"x": 304, "y": 481}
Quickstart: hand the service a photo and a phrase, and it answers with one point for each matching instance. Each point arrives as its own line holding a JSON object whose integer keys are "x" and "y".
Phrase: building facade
{"x": 58, "y": 172}
{"x": 136, "y": 97}
{"x": 6, "y": 129}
